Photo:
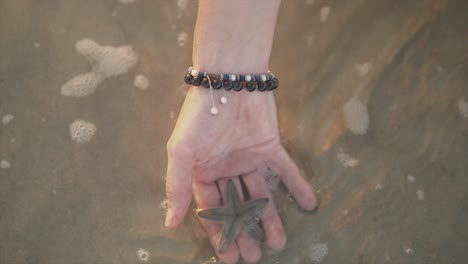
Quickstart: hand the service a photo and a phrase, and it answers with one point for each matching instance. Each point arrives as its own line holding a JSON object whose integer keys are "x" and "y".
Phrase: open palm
{"x": 206, "y": 150}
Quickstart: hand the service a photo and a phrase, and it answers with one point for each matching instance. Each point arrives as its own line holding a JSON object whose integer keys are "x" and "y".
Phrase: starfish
{"x": 236, "y": 216}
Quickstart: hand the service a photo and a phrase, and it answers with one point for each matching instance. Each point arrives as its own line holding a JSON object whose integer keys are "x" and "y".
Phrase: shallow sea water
{"x": 373, "y": 106}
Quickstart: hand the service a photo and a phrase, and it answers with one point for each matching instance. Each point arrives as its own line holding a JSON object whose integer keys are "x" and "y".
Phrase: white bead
{"x": 223, "y": 100}
{"x": 248, "y": 78}
{"x": 263, "y": 77}
{"x": 214, "y": 110}
{"x": 194, "y": 73}
{"x": 233, "y": 77}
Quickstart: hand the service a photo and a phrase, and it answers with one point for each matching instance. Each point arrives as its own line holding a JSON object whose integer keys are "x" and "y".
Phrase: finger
{"x": 281, "y": 163}
{"x": 207, "y": 196}
{"x": 178, "y": 186}
{"x": 271, "y": 221}
{"x": 249, "y": 248}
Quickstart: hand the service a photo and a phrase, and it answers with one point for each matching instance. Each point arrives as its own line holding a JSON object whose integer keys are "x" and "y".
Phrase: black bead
{"x": 275, "y": 83}
{"x": 205, "y": 83}
{"x": 269, "y": 85}
{"x": 227, "y": 85}
{"x": 188, "y": 79}
{"x": 196, "y": 81}
{"x": 216, "y": 84}
{"x": 237, "y": 86}
{"x": 251, "y": 86}
{"x": 261, "y": 86}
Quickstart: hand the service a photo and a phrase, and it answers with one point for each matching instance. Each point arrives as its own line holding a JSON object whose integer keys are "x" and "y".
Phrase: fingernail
{"x": 170, "y": 215}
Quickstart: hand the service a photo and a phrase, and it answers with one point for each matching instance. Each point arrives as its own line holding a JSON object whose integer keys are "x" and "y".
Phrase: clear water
{"x": 373, "y": 107}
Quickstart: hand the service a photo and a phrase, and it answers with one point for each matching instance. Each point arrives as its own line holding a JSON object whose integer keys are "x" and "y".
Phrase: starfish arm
{"x": 251, "y": 208}
{"x": 217, "y": 214}
{"x": 254, "y": 231}
{"x": 230, "y": 231}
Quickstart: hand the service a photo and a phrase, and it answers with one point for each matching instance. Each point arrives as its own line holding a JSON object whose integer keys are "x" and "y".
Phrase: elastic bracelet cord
{"x": 236, "y": 82}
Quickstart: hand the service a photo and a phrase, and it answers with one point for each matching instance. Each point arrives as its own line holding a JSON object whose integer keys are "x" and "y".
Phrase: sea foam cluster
{"x": 363, "y": 68}
{"x": 126, "y": 2}
{"x": 82, "y": 131}
{"x": 318, "y": 251}
{"x": 4, "y": 164}
{"x": 7, "y": 119}
{"x": 143, "y": 255}
{"x": 356, "y": 116}
{"x": 106, "y": 61}
{"x": 141, "y": 82}
{"x": 463, "y": 108}
{"x": 345, "y": 159}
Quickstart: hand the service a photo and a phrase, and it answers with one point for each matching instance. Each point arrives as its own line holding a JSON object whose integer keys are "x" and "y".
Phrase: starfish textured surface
{"x": 236, "y": 216}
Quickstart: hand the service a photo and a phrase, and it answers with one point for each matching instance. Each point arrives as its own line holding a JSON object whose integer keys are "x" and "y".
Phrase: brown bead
{"x": 205, "y": 83}
{"x": 261, "y": 86}
{"x": 196, "y": 81}
{"x": 188, "y": 79}
{"x": 227, "y": 85}
{"x": 251, "y": 86}
{"x": 237, "y": 86}
{"x": 269, "y": 85}
{"x": 275, "y": 84}
{"x": 216, "y": 84}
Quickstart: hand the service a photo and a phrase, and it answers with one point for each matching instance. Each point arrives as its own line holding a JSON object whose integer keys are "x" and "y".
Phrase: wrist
{"x": 236, "y": 40}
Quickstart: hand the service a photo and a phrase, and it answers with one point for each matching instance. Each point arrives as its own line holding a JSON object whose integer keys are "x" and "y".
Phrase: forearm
{"x": 234, "y": 36}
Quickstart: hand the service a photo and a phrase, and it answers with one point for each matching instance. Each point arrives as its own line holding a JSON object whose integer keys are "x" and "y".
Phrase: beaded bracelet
{"x": 263, "y": 82}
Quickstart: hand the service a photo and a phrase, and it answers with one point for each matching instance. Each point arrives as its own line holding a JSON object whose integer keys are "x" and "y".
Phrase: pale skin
{"x": 205, "y": 149}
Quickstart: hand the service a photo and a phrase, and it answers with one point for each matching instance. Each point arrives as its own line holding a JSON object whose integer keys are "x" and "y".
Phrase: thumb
{"x": 178, "y": 185}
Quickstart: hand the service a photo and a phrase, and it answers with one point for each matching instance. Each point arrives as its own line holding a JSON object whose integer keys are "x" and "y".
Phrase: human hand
{"x": 206, "y": 150}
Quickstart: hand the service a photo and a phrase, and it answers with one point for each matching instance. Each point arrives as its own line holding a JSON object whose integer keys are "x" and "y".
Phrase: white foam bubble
{"x": 82, "y": 85}
{"x": 318, "y": 251}
{"x": 143, "y": 255}
{"x": 164, "y": 205}
{"x": 4, "y": 164}
{"x": 141, "y": 82}
{"x": 363, "y": 68}
{"x": 82, "y": 131}
{"x": 411, "y": 178}
{"x": 210, "y": 261}
{"x": 37, "y": 45}
{"x": 272, "y": 179}
{"x": 7, "y": 119}
{"x": 356, "y": 116}
{"x": 346, "y": 160}
{"x": 324, "y": 13}
{"x": 309, "y": 39}
{"x": 126, "y": 2}
{"x": 420, "y": 194}
{"x": 182, "y": 4}
{"x": 408, "y": 250}
{"x": 182, "y": 39}
{"x": 463, "y": 108}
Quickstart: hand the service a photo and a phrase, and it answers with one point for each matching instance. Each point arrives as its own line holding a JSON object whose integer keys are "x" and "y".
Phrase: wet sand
{"x": 390, "y": 168}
